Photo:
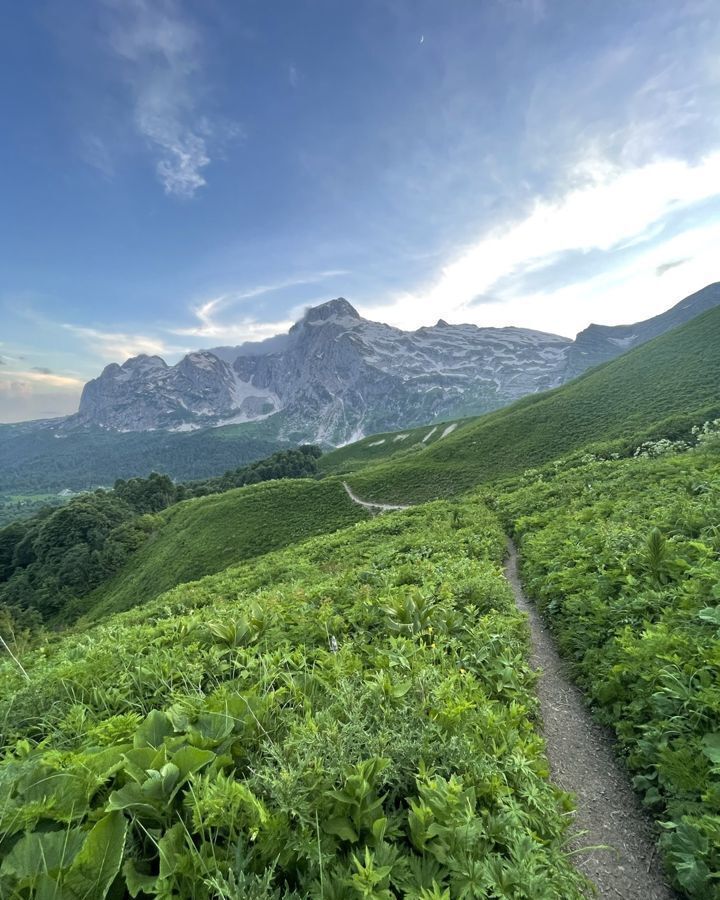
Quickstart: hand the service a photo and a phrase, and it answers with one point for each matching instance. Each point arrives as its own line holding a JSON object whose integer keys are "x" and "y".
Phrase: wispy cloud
{"x": 114, "y": 346}
{"x": 96, "y": 153}
{"x": 46, "y": 378}
{"x": 160, "y": 50}
{"x": 212, "y": 320}
{"x": 666, "y": 266}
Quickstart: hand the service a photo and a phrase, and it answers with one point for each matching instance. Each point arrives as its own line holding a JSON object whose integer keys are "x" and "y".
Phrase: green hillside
{"x": 38, "y": 459}
{"x": 351, "y": 718}
{"x": 623, "y": 559}
{"x": 661, "y": 388}
{"x": 202, "y": 536}
{"x": 352, "y": 713}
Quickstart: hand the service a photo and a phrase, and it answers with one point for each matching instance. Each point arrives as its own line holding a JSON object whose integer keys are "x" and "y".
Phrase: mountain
{"x": 336, "y": 376}
{"x": 145, "y": 393}
{"x": 660, "y": 389}
{"x": 600, "y": 343}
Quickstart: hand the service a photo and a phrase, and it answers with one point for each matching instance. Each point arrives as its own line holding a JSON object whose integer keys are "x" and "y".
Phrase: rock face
{"x": 336, "y": 376}
{"x": 333, "y": 378}
{"x": 145, "y": 393}
{"x": 601, "y": 343}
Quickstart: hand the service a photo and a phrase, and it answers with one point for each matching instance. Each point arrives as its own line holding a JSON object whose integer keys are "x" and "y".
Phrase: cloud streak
{"x": 46, "y": 378}
{"x": 212, "y": 324}
{"x": 112, "y": 346}
{"x": 160, "y": 51}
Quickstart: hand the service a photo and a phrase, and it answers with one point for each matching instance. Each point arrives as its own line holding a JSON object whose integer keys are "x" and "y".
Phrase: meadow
{"x": 353, "y": 717}
{"x": 206, "y": 535}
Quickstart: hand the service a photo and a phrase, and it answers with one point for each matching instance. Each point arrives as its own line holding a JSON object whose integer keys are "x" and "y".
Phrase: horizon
{"x": 180, "y": 177}
{"x": 175, "y": 358}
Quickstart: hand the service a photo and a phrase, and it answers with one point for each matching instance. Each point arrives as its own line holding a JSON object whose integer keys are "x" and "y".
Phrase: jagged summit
{"x": 143, "y": 360}
{"x": 337, "y": 308}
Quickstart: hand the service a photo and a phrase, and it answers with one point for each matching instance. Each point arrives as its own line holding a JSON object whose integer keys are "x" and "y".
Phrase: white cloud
{"x": 20, "y": 379}
{"x": 114, "y": 346}
{"x": 608, "y": 209}
{"x": 630, "y": 292}
{"x": 161, "y": 52}
{"x": 212, "y": 324}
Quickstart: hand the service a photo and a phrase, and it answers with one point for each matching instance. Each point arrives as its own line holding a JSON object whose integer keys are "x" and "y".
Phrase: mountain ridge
{"x": 335, "y": 376}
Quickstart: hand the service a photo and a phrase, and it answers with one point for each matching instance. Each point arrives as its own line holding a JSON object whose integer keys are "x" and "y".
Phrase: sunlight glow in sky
{"x": 177, "y": 175}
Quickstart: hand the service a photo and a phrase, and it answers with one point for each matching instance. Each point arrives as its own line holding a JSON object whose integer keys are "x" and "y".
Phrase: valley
{"x": 360, "y": 450}
{"x": 323, "y": 686}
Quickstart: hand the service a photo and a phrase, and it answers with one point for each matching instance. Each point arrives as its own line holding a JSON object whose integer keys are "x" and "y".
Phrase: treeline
{"x": 59, "y": 554}
{"x": 299, "y": 463}
{"x": 46, "y": 460}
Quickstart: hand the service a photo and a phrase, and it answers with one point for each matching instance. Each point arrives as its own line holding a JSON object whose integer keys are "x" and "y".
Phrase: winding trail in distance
{"x": 381, "y": 507}
{"x": 609, "y": 821}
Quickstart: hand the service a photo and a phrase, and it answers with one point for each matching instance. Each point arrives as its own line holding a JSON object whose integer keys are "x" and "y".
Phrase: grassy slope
{"x": 203, "y": 536}
{"x": 410, "y": 747}
{"x": 635, "y": 612}
{"x": 660, "y": 388}
{"x": 673, "y": 380}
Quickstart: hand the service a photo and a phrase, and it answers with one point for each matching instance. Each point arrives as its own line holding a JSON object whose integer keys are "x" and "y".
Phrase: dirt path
{"x": 608, "y": 815}
{"x": 380, "y": 507}
{"x": 582, "y": 762}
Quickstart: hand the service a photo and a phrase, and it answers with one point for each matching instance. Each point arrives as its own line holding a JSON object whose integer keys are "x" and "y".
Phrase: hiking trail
{"x": 621, "y": 856}
{"x": 381, "y": 507}
{"x": 608, "y": 813}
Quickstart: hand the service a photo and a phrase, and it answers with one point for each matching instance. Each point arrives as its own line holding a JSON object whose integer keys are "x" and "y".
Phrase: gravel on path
{"x": 582, "y": 762}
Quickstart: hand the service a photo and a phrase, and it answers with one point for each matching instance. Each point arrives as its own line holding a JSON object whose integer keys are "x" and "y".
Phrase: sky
{"x": 177, "y": 175}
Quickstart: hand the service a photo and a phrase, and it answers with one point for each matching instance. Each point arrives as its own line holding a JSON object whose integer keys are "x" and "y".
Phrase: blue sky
{"x": 176, "y": 175}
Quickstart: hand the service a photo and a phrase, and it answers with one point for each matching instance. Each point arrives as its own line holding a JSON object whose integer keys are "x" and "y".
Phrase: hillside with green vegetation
{"x": 203, "y": 536}
{"x": 659, "y": 389}
{"x": 344, "y": 708}
{"x": 40, "y": 458}
{"x": 354, "y": 717}
{"x": 623, "y": 558}
{"x": 50, "y": 562}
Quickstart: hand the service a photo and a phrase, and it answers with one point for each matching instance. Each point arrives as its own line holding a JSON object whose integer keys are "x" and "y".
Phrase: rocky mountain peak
{"x": 143, "y": 361}
{"x": 338, "y": 308}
